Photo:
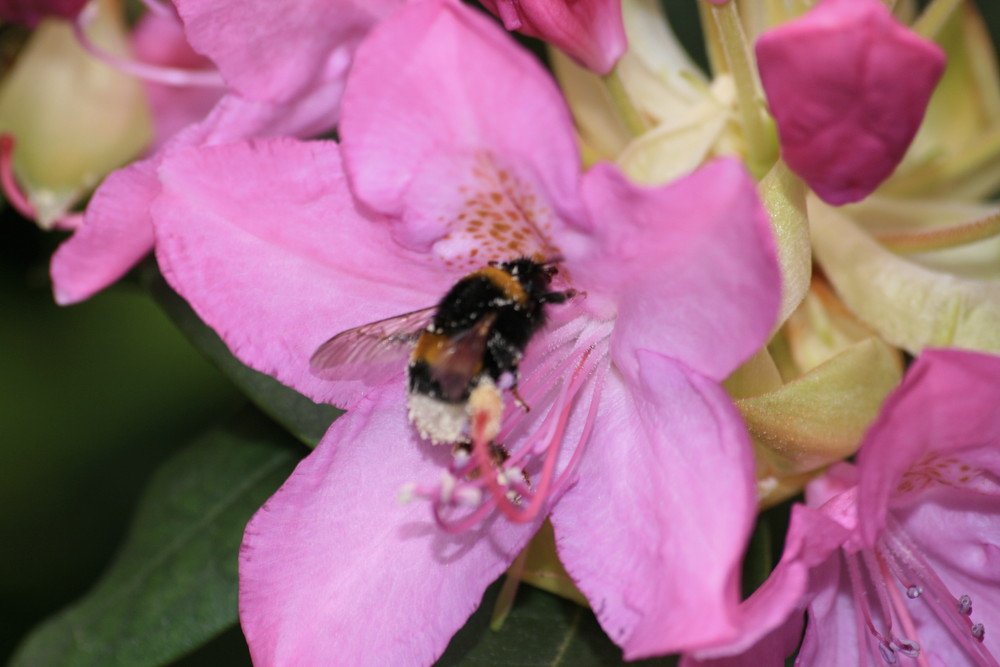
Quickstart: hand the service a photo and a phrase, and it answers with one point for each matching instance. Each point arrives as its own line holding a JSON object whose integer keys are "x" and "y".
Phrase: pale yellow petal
{"x": 910, "y": 305}
{"x": 602, "y": 132}
{"x": 666, "y": 153}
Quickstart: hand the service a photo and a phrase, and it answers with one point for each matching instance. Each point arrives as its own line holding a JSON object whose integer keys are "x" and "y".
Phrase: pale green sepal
{"x": 783, "y": 195}
{"x": 75, "y": 119}
{"x": 909, "y": 305}
{"x": 757, "y": 375}
{"x": 821, "y": 417}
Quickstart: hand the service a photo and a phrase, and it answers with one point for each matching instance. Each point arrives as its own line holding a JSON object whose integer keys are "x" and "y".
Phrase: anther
{"x": 447, "y": 486}
{"x": 913, "y": 592}
{"x": 965, "y": 605}
{"x": 887, "y": 653}
{"x": 907, "y": 647}
{"x": 470, "y": 496}
{"x": 979, "y": 631}
{"x": 407, "y": 493}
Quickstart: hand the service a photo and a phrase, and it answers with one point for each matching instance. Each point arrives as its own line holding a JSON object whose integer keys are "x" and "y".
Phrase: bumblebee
{"x": 462, "y": 351}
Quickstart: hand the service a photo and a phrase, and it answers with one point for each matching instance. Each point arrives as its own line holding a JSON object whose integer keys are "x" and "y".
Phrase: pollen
{"x": 436, "y": 420}
{"x": 487, "y": 399}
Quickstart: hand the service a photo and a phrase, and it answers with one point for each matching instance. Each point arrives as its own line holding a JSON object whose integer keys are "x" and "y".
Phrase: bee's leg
{"x": 518, "y": 400}
{"x": 560, "y": 297}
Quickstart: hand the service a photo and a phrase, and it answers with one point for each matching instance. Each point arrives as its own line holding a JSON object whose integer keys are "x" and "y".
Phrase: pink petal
{"x": 160, "y": 40}
{"x": 772, "y": 649}
{"x": 690, "y": 267}
{"x": 276, "y": 51}
{"x": 772, "y": 617}
{"x": 653, "y": 532}
{"x": 117, "y": 230}
{"x": 112, "y": 238}
{"x": 264, "y": 241}
{"x": 440, "y": 80}
{"x": 942, "y": 417}
{"x": 832, "y": 636}
{"x": 959, "y": 535}
{"x": 848, "y": 86}
{"x": 591, "y": 31}
{"x": 334, "y": 570}
{"x": 30, "y": 12}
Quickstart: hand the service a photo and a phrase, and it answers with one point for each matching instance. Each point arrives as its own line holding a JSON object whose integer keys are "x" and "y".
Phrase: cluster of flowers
{"x": 710, "y": 371}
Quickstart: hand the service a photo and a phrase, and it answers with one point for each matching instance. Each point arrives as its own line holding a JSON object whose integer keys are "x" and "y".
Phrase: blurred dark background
{"x": 93, "y": 398}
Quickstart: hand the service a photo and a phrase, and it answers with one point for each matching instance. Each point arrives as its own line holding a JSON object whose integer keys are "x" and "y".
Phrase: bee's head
{"x": 534, "y": 276}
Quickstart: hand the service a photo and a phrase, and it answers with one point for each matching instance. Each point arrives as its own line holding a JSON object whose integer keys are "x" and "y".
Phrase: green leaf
{"x": 173, "y": 584}
{"x": 306, "y": 420}
{"x": 542, "y": 630}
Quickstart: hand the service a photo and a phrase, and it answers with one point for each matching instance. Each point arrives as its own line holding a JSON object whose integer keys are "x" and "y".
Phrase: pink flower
{"x": 30, "y": 12}
{"x": 631, "y": 446}
{"x": 848, "y": 86}
{"x": 591, "y": 31}
{"x": 900, "y": 555}
{"x": 294, "y": 91}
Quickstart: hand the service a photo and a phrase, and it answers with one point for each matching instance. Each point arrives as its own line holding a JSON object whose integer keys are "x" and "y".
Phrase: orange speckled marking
{"x": 501, "y": 218}
{"x": 935, "y": 471}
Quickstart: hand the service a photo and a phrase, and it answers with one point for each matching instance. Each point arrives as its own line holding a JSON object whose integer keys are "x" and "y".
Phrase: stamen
{"x": 910, "y": 649}
{"x": 11, "y": 190}
{"x": 170, "y": 76}
{"x": 913, "y": 592}
{"x": 909, "y": 565}
{"x": 549, "y": 443}
{"x": 965, "y": 605}
{"x": 907, "y": 647}
{"x": 978, "y": 631}
{"x": 468, "y": 495}
{"x": 467, "y": 522}
{"x": 879, "y": 576}
{"x": 407, "y": 493}
{"x": 861, "y": 600}
{"x": 447, "y": 486}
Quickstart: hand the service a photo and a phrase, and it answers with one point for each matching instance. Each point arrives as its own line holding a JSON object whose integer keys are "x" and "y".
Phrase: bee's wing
{"x": 369, "y": 347}
{"x": 462, "y": 359}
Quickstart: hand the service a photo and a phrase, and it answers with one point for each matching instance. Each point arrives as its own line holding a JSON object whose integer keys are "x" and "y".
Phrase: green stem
{"x": 740, "y": 61}
{"x": 623, "y": 103}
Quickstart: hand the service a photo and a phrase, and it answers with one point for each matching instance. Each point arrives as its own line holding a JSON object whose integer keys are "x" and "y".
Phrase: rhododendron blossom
{"x": 590, "y": 31}
{"x": 458, "y": 162}
{"x": 900, "y": 555}
{"x": 848, "y": 86}
{"x": 296, "y": 94}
